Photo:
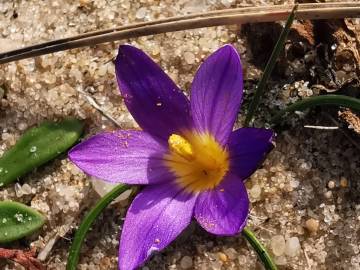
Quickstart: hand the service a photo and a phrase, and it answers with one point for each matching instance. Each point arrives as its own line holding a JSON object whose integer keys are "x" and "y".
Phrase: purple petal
{"x": 248, "y": 148}
{"x": 153, "y": 99}
{"x": 216, "y": 93}
{"x": 155, "y": 218}
{"x": 132, "y": 157}
{"x": 224, "y": 210}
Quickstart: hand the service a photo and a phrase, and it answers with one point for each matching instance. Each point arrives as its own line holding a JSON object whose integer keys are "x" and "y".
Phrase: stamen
{"x": 198, "y": 161}
{"x": 181, "y": 146}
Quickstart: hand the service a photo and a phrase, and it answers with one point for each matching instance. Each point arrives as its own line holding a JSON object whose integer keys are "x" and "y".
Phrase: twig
{"x": 321, "y": 127}
{"x": 212, "y": 18}
{"x": 93, "y": 103}
{"x": 307, "y": 260}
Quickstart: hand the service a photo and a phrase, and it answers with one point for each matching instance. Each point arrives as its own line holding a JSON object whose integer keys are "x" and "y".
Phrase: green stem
{"x": 260, "y": 249}
{"x": 269, "y": 67}
{"x": 338, "y": 100}
{"x": 75, "y": 248}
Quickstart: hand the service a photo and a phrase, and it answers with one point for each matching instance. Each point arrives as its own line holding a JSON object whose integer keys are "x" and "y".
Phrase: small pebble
{"x": 18, "y": 190}
{"x": 292, "y": 247}
{"x": 343, "y": 182}
{"x": 22, "y": 126}
{"x": 255, "y": 192}
{"x": 189, "y": 58}
{"x": 227, "y": 3}
{"x": 140, "y": 13}
{"x": 215, "y": 265}
{"x": 331, "y": 184}
{"x": 278, "y": 245}
{"x": 84, "y": 3}
{"x": 26, "y": 189}
{"x": 328, "y": 194}
{"x": 312, "y": 225}
{"x": 186, "y": 262}
{"x": 231, "y": 253}
{"x": 294, "y": 183}
{"x": 222, "y": 257}
{"x": 102, "y": 188}
{"x": 281, "y": 260}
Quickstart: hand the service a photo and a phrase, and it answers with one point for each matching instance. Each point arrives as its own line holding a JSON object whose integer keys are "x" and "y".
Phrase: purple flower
{"x": 188, "y": 155}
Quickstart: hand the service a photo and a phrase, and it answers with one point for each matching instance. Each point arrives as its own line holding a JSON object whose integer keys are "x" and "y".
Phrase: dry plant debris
{"x": 25, "y": 258}
{"x": 352, "y": 119}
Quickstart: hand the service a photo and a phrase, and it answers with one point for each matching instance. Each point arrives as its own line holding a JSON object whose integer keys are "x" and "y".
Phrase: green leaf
{"x": 260, "y": 249}
{"x": 38, "y": 146}
{"x": 85, "y": 225}
{"x": 269, "y": 67}
{"x": 337, "y": 100}
{"x": 17, "y": 221}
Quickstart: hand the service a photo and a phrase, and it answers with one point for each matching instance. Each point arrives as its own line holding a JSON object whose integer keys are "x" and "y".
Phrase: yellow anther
{"x": 181, "y": 146}
{"x": 197, "y": 160}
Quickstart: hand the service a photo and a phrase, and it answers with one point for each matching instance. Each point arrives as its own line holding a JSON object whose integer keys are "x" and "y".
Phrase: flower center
{"x": 197, "y": 160}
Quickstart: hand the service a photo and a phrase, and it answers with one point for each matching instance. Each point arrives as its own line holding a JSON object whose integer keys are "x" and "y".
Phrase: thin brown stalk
{"x": 208, "y": 19}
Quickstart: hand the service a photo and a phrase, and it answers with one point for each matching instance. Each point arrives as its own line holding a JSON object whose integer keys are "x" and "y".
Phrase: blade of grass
{"x": 260, "y": 249}
{"x": 85, "y": 225}
{"x": 337, "y": 100}
{"x": 269, "y": 67}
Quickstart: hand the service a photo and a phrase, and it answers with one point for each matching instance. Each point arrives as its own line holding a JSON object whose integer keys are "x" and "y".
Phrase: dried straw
{"x": 208, "y": 19}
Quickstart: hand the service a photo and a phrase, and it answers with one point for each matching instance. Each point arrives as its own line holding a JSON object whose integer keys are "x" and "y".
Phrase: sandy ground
{"x": 305, "y": 202}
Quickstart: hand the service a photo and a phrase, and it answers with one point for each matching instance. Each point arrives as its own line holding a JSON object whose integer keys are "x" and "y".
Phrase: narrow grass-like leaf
{"x": 17, "y": 221}
{"x": 269, "y": 67}
{"x": 335, "y": 100}
{"x": 38, "y": 146}
{"x": 260, "y": 249}
{"x": 85, "y": 225}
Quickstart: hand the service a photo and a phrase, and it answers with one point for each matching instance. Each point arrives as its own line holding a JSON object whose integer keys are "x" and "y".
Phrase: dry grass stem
{"x": 208, "y": 19}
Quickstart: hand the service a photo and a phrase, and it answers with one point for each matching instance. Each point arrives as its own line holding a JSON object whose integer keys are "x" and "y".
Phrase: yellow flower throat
{"x": 197, "y": 160}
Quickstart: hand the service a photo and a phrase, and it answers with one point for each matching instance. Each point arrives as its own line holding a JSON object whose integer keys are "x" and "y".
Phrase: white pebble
{"x": 227, "y": 3}
{"x": 331, "y": 184}
{"x": 292, "y": 247}
{"x": 281, "y": 260}
{"x": 255, "y": 191}
{"x": 294, "y": 183}
{"x": 18, "y": 190}
{"x": 102, "y": 188}
{"x": 26, "y": 189}
{"x": 22, "y": 126}
{"x": 140, "y": 13}
{"x": 189, "y": 58}
{"x": 278, "y": 245}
